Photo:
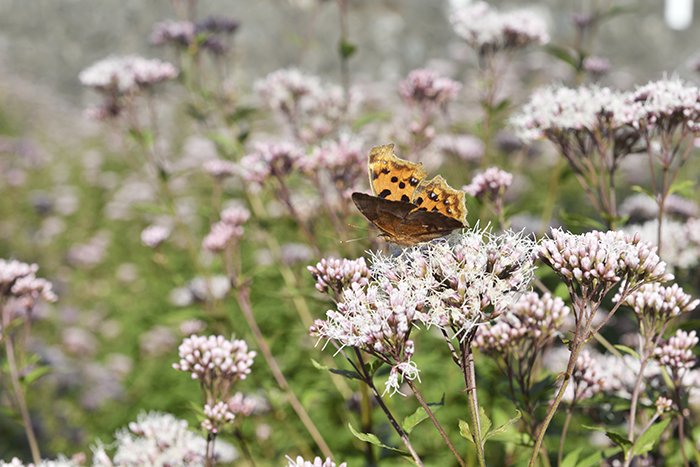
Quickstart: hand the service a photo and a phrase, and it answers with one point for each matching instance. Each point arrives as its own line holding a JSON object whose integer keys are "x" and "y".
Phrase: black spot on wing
{"x": 432, "y": 195}
{"x": 434, "y": 210}
{"x": 419, "y": 201}
{"x": 394, "y": 179}
{"x": 405, "y": 198}
{"x": 384, "y": 193}
{"x": 413, "y": 181}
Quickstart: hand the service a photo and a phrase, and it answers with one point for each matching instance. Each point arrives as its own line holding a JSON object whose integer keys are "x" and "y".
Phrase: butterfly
{"x": 407, "y": 208}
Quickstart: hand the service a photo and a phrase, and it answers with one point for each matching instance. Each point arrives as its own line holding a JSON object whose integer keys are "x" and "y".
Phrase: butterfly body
{"x": 407, "y": 208}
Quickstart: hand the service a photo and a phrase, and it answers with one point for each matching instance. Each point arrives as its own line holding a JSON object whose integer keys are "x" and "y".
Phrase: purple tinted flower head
{"x": 235, "y": 215}
{"x": 377, "y": 320}
{"x": 676, "y": 353}
{"x": 220, "y": 168}
{"x": 18, "y": 281}
{"x": 218, "y": 25}
{"x": 178, "y": 33}
{"x": 658, "y": 303}
{"x": 333, "y": 275}
{"x": 533, "y": 320}
{"x": 317, "y": 462}
{"x": 598, "y": 260}
{"x": 154, "y": 235}
{"x": 425, "y": 87}
{"x": 124, "y": 75}
{"x": 596, "y": 66}
{"x": 588, "y": 377}
{"x": 217, "y": 416}
{"x": 216, "y": 362}
{"x": 282, "y": 89}
{"x": 269, "y": 160}
{"x": 490, "y": 184}
{"x": 665, "y": 104}
{"x": 221, "y": 235}
{"x": 343, "y": 161}
{"x": 488, "y": 31}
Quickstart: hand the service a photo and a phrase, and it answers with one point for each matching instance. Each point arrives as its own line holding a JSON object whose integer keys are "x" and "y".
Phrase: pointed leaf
{"x": 590, "y": 461}
{"x": 410, "y": 422}
{"x": 464, "y": 431}
{"x": 619, "y": 439}
{"x": 571, "y": 459}
{"x": 627, "y": 350}
{"x": 484, "y": 422}
{"x": 346, "y": 373}
{"x": 35, "y": 374}
{"x": 372, "y": 439}
{"x": 646, "y": 441}
{"x": 502, "y": 428}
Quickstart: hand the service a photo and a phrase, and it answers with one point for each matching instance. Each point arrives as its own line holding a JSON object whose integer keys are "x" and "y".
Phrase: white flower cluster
{"x": 60, "y": 462}
{"x": 557, "y": 109}
{"x": 378, "y": 320}
{"x": 454, "y": 283}
{"x": 315, "y": 106}
{"x": 126, "y": 74}
{"x": 160, "y": 440}
{"x": 210, "y": 358}
{"x": 490, "y": 184}
{"x": 317, "y": 462}
{"x": 600, "y": 259}
{"x": 217, "y": 415}
{"x": 677, "y": 352}
{"x": 268, "y": 160}
{"x": 488, "y": 30}
{"x": 659, "y": 302}
{"x": 426, "y": 87}
{"x": 332, "y": 275}
{"x": 153, "y": 235}
{"x": 219, "y": 168}
{"x": 664, "y": 103}
{"x": 226, "y": 231}
{"x": 18, "y": 280}
{"x": 533, "y": 319}
{"x": 587, "y": 377}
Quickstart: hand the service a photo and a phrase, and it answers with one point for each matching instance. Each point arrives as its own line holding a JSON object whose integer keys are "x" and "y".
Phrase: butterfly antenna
{"x": 353, "y": 239}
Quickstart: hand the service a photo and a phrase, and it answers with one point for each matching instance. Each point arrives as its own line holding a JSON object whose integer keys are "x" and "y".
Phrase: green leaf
{"x": 566, "y": 55}
{"x": 619, "y": 439}
{"x": 571, "y": 459}
{"x": 485, "y": 423}
{"x": 373, "y": 366}
{"x": 346, "y": 49}
{"x": 35, "y": 374}
{"x": 590, "y": 461}
{"x": 562, "y": 291}
{"x": 683, "y": 187}
{"x": 642, "y": 190}
{"x": 410, "y": 422}
{"x": 346, "y": 373}
{"x": 627, "y": 350}
{"x": 372, "y": 439}
{"x": 464, "y": 431}
{"x": 646, "y": 441}
{"x": 502, "y": 428}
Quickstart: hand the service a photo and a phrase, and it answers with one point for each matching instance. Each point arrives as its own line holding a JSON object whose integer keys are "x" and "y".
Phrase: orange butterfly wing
{"x": 406, "y": 208}
{"x": 393, "y": 178}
